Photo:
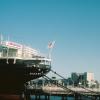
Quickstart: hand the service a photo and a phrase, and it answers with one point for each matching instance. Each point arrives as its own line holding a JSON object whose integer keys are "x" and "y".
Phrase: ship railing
{"x": 6, "y": 55}
{"x": 43, "y": 60}
{"x": 9, "y": 57}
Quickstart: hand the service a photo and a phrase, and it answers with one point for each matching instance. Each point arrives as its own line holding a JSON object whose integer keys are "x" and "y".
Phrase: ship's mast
{"x": 50, "y": 47}
{"x": 1, "y": 38}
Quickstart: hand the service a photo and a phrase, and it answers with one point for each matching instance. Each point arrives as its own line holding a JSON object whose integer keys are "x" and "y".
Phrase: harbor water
{"x": 60, "y": 98}
{"x": 53, "y": 98}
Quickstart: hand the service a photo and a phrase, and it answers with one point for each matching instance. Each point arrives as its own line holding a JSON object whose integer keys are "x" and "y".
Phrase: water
{"x": 53, "y": 98}
{"x": 59, "y": 98}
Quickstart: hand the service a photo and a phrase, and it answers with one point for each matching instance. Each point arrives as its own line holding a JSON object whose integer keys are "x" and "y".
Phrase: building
{"x": 89, "y": 79}
{"x": 77, "y": 78}
{"x": 85, "y": 78}
{"x": 88, "y": 76}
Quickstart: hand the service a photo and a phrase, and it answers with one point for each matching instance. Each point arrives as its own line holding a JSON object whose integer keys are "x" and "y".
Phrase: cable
{"x": 58, "y": 74}
{"x": 60, "y": 85}
{"x": 80, "y": 86}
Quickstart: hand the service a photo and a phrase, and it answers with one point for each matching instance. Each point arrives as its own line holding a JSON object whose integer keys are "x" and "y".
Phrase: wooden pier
{"x": 78, "y": 93}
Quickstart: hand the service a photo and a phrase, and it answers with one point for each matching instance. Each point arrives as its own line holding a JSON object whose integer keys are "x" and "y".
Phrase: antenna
{"x": 8, "y": 38}
{"x": 1, "y": 38}
{"x": 50, "y": 47}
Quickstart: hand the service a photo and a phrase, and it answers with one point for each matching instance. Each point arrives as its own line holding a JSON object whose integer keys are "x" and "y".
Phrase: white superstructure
{"x": 13, "y": 49}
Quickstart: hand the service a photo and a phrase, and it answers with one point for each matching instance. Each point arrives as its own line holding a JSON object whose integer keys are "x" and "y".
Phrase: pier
{"x": 78, "y": 93}
{"x": 50, "y": 87}
{"x": 45, "y": 88}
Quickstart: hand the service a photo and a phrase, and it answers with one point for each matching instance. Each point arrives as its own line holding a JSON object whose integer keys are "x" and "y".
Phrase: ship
{"x": 18, "y": 65}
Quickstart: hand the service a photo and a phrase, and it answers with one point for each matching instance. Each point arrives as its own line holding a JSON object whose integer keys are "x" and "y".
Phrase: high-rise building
{"x": 77, "y": 77}
{"x": 88, "y": 76}
{"x": 82, "y": 78}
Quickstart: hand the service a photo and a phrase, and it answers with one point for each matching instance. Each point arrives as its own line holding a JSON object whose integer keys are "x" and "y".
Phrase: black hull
{"x": 14, "y": 76}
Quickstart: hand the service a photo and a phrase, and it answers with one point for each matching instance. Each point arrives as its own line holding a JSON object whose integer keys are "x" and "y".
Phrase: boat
{"x": 18, "y": 65}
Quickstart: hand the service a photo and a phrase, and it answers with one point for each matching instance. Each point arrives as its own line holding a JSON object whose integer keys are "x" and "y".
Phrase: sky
{"x": 74, "y": 25}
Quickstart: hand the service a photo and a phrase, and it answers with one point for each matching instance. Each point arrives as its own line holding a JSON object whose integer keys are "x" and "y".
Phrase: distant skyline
{"x": 73, "y": 24}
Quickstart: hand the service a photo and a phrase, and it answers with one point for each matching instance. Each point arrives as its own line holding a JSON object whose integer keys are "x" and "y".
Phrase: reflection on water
{"x": 32, "y": 97}
{"x": 9, "y": 97}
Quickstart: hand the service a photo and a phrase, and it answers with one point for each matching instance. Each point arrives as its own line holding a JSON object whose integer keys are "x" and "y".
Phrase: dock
{"x": 78, "y": 93}
{"x": 50, "y": 87}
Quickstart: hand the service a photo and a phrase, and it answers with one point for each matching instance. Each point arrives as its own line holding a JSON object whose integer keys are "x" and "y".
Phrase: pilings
{"x": 38, "y": 97}
{"x": 63, "y": 97}
{"x": 77, "y": 96}
{"x": 46, "y": 94}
